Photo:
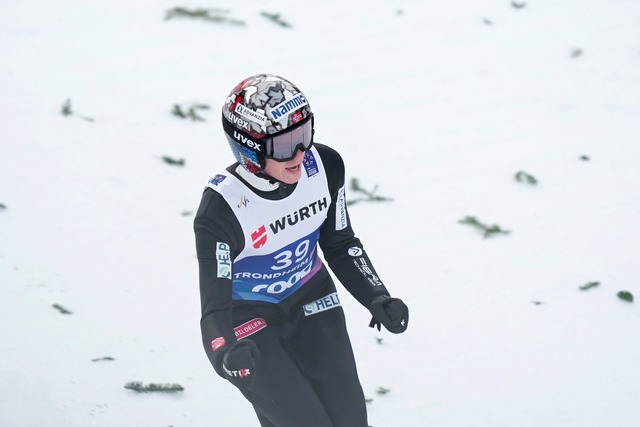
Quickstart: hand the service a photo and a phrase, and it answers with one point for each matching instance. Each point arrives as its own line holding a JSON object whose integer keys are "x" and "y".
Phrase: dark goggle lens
{"x": 284, "y": 147}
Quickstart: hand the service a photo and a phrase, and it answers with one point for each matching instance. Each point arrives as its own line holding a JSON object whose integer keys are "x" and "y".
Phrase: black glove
{"x": 239, "y": 363}
{"x": 391, "y": 312}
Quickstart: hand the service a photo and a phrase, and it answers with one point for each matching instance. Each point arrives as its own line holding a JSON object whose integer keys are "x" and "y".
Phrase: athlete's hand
{"x": 239, "y": 364}
{"x": 391, "y": 312}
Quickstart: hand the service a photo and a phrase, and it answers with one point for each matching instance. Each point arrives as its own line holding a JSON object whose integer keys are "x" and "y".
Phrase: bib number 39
{"x": 284, "y": 258}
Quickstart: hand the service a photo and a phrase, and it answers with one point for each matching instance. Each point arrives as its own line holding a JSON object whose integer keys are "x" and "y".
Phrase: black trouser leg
{"x": 281, "y": 395}
{"x": 323, "y": 350}
{"x": 306, "y": 375}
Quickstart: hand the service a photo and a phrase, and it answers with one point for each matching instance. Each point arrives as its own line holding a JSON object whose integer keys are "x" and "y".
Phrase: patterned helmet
{"x": 257, "y": 115}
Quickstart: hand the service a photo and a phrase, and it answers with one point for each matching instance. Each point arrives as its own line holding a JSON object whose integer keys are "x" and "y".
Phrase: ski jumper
{"x": 261, "y": 278}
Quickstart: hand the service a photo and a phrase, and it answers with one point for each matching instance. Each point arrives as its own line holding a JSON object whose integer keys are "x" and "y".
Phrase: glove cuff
{"x": 379, "y": 300}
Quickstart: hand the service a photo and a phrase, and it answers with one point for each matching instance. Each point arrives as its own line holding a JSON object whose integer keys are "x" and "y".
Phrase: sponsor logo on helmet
{"x": 321, "y": 304}
{"x": 249, "y": 114}
{"x": 246, "y": 141}
{"x": 241, "y": 123}
{"x": 285, "y": 108}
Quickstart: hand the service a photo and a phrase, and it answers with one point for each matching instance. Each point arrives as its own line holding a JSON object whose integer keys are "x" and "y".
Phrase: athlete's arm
{"x": 218, "y": 241}
{"x": 342, "y": 250}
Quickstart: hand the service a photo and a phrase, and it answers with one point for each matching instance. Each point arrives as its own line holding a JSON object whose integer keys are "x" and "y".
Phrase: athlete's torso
{"x": 280, "y": 252}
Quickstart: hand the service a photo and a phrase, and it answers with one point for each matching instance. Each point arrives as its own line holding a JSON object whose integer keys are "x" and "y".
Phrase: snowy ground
{"x": 438, "y": 103}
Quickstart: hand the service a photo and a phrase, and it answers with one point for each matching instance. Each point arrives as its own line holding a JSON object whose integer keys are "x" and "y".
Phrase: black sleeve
{"x": 342, "y": 250}
{"x": 215, "y": 225}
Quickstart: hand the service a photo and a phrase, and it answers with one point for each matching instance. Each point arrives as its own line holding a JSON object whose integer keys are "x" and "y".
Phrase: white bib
{"x": 281, "y": 236}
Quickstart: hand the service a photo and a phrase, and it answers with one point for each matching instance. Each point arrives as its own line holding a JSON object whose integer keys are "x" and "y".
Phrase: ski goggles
{"x": 284, "y": 146}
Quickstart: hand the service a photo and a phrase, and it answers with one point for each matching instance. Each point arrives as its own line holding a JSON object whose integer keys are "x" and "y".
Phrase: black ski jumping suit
{"x": 261, "y": 278}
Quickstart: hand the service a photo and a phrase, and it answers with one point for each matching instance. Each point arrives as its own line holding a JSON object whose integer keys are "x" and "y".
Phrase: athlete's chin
{"x": 292, "y": 174}
{"x": 290, "y": 179}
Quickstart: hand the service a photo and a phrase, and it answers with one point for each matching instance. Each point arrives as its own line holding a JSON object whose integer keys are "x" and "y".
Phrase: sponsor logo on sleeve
{"x": 321, "y": 304}
{"x": 217, "y": 343}
{"x": 341, "y": 210}
{"x": 367, "y": 272}
{"x": 355, "y": 251}
{"x": 223, "y": 258}
{"x": 241, "y": 373}
{"x": 249, "y": 328}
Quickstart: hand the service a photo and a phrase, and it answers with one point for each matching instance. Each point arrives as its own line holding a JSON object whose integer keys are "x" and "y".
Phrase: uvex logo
{"x": 238, "y": 121}
{"x": 246, "y": 141}
{"x": 259, "y": 237}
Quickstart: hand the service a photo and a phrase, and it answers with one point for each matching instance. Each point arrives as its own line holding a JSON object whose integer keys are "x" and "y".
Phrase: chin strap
{"x": 271, "y": 179}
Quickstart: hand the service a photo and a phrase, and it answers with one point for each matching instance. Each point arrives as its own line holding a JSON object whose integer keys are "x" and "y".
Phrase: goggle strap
{"x": 246, "y": 139}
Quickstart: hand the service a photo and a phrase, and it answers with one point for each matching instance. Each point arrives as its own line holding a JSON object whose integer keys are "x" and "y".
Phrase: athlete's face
{"x": 288, "y": 172}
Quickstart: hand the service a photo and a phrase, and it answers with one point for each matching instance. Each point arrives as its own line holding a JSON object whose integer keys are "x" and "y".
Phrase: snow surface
{"x": 438, "y": 103}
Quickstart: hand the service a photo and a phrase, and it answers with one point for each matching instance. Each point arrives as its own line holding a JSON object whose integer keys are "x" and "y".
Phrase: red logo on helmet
{"x": 297, "y": 117}
{"x": 259, "y": 237}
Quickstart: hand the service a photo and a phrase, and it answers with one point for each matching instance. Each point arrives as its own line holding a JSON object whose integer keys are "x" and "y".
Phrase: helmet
{"x": 266, "y": 116}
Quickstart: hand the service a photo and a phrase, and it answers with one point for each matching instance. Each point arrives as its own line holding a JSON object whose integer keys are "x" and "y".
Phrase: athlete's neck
{"x": 257, "y": 182}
